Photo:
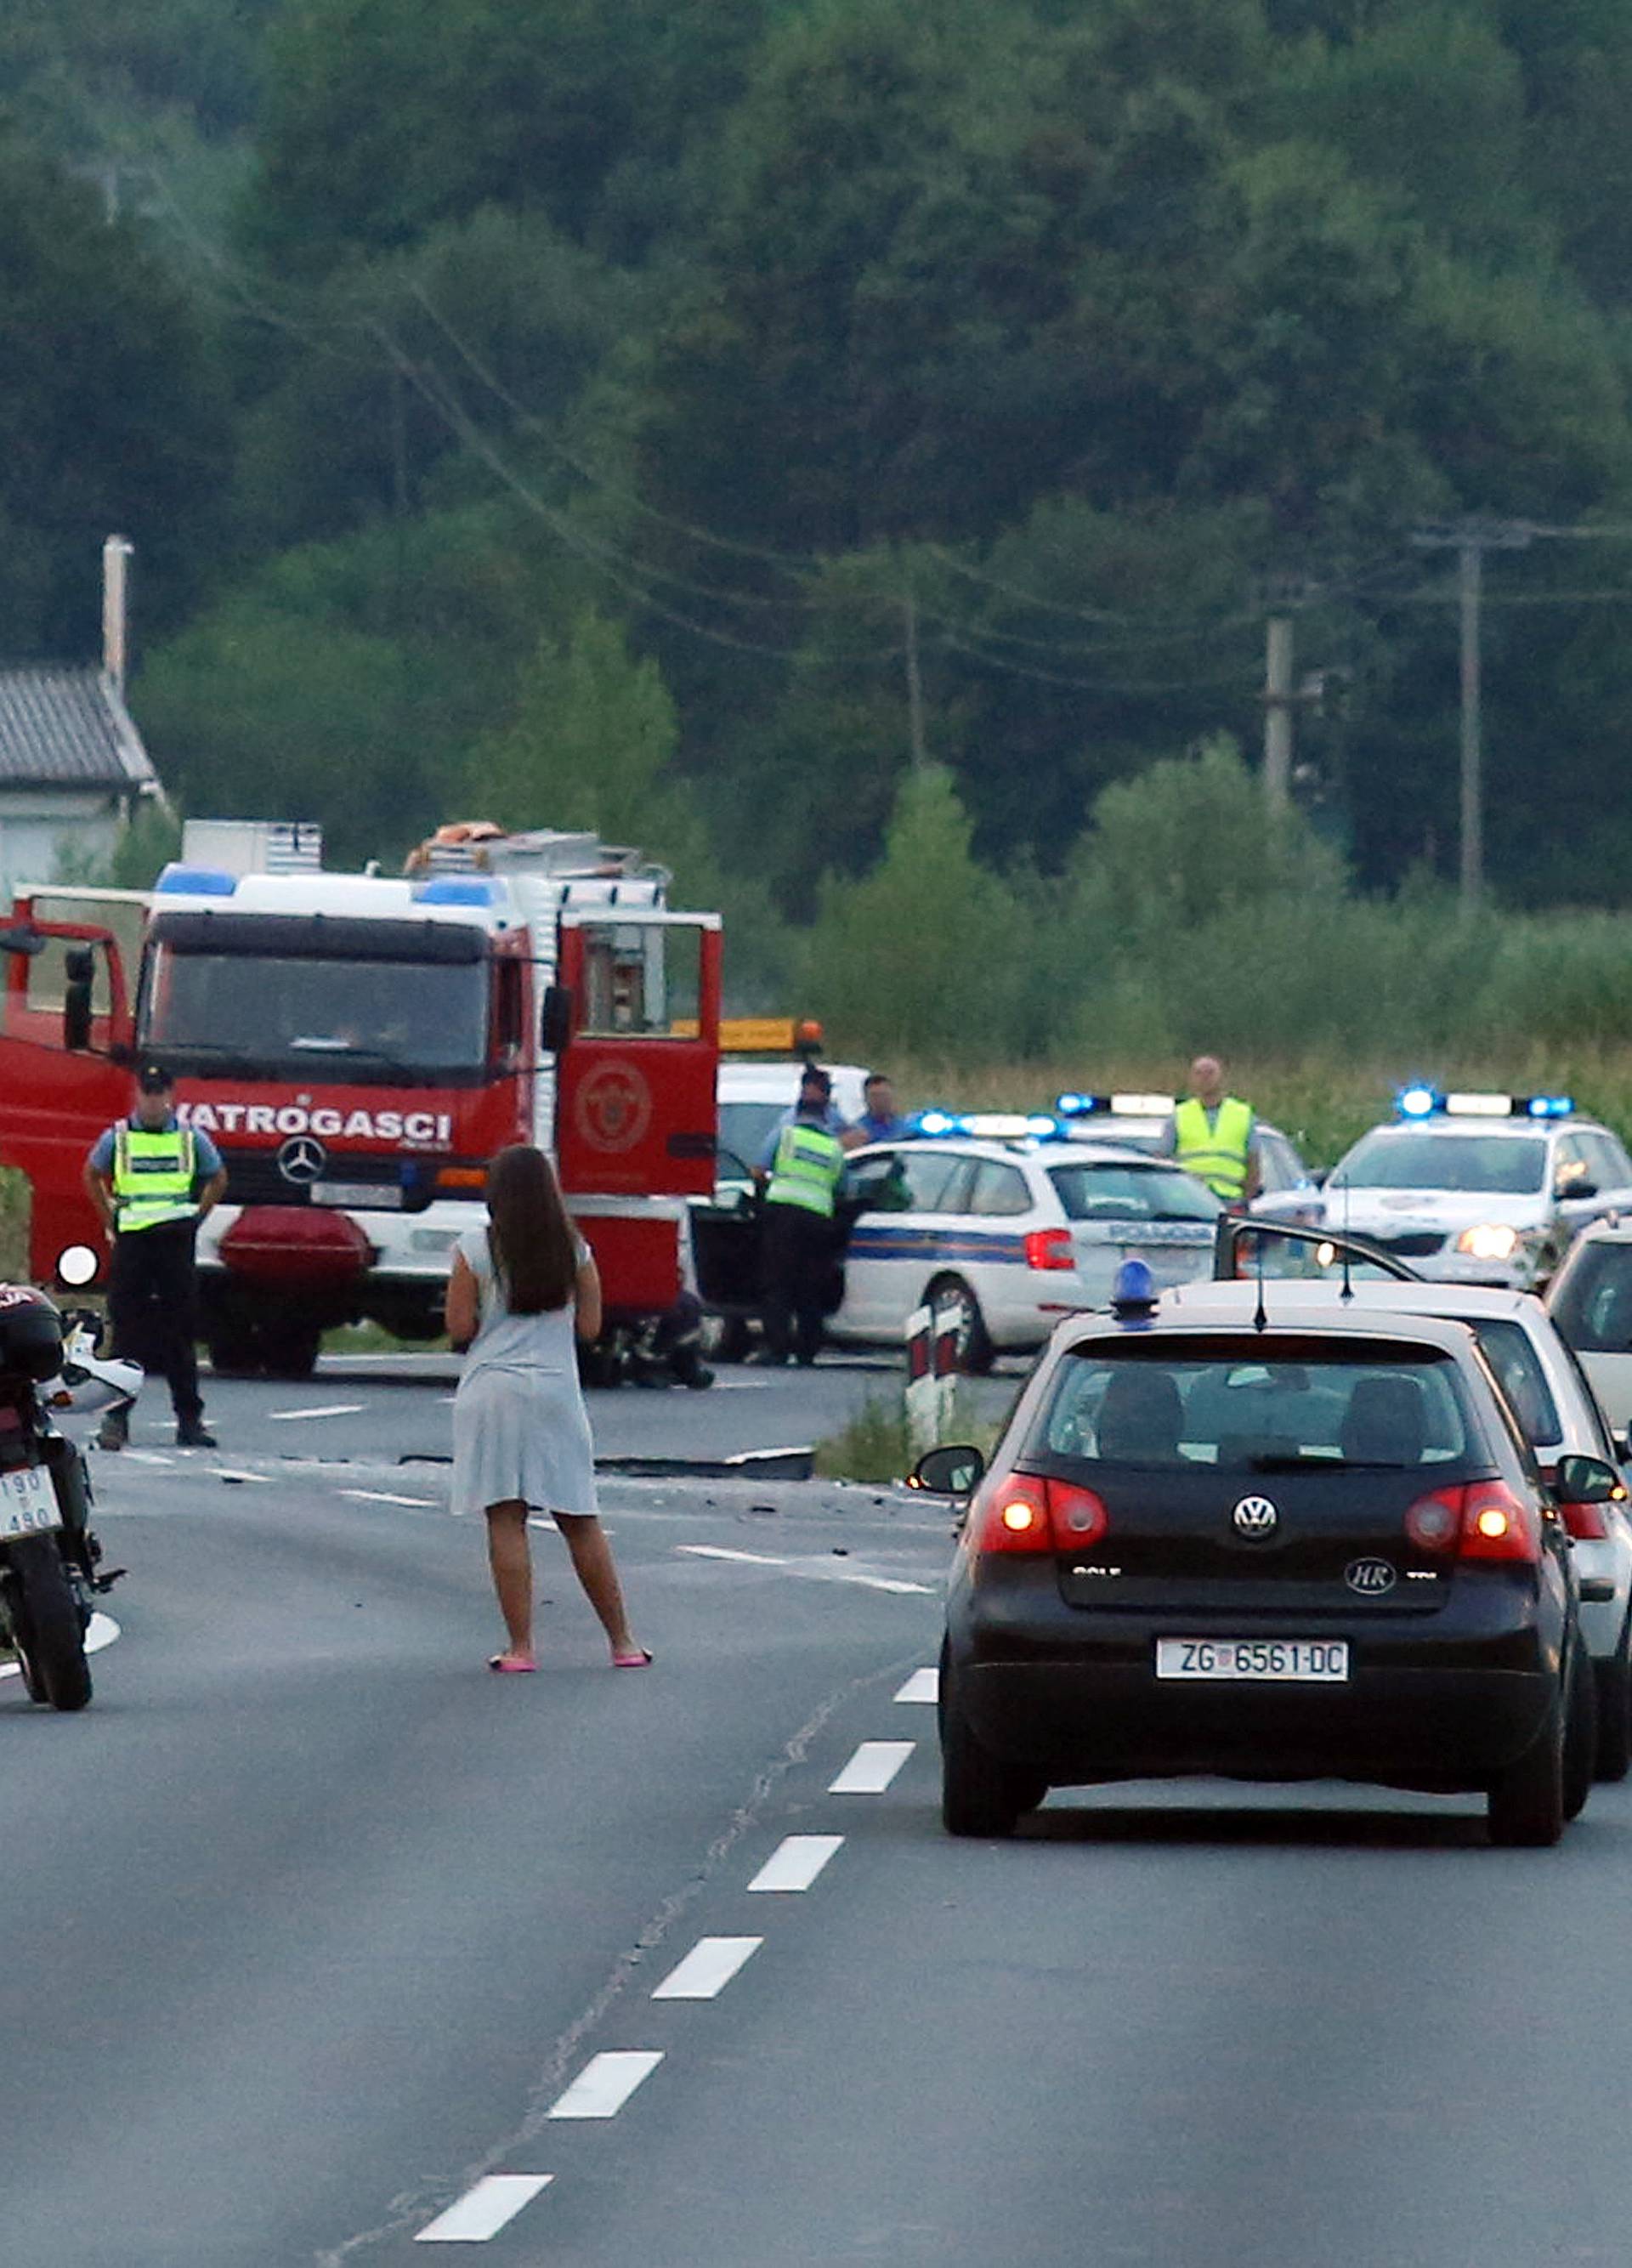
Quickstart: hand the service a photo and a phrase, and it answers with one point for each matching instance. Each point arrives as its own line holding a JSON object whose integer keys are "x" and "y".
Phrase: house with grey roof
{"x": 72, "y": 771}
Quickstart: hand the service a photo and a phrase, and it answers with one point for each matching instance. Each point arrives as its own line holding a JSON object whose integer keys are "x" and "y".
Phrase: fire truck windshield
{"x": 344, "y": 1020}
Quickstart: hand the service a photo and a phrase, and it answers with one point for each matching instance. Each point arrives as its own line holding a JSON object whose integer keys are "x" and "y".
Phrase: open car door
{"x": 65, "y": 1062}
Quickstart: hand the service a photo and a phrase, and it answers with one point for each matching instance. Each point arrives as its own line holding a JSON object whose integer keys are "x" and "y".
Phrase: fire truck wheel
{"x": 290, "y": 1349}
{"x": 234, "y": 1347}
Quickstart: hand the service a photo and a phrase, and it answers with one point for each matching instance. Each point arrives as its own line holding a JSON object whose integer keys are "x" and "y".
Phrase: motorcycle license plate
{"x": 27, "y": 1502}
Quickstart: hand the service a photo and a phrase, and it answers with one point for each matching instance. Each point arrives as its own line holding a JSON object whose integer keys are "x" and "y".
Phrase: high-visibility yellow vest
{"x": 807, "y": 1168}
{"x": 153, "y": 1176}
{"x": 1217, "y": 1150}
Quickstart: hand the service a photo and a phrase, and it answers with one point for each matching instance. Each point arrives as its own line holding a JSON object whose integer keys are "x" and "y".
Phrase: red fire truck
{"x": 357, "y": 1046}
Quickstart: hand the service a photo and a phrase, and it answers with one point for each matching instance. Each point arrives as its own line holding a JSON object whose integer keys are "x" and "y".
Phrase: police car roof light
{"x": 996, "y": 1125}
{"x": 1133, "y": 1293}
{"x": 1416, "y": 1101}
{"x": 195, "y": 881}
{"x": 938, "y": 1121}
{"x": 1142, "y": 1105}
{"x": 1551, "y": 1106}
{"x": 1481, "y": 1106}
{"x": 1080, "y": 1106}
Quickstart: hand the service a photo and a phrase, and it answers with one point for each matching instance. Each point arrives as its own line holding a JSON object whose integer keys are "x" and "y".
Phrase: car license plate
{"x": 1255, "y": 1660}
{"x": 376, "y": 1197}
{"x": 27, "y": 1502}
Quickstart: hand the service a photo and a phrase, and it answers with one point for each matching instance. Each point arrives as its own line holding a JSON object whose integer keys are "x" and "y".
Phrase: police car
{"x": 1480, "y": 1189}
{"x": 1001, "y": 1220}
{"x": 1288, "y": 1191}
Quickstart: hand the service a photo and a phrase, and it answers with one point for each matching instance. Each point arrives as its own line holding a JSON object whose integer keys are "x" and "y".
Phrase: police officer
{"x": 797, "y": 1234}
{"x": 153, "y": 1180}
{"x": 1213, "y": 1136}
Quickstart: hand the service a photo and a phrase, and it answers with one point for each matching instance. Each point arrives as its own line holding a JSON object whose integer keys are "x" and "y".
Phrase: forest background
{"x": 849, "y": 447}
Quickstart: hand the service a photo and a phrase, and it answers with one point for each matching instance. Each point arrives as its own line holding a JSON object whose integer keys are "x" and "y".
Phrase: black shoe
{"x": 193, "y": 1435}
{"x": 113, "y": 1432}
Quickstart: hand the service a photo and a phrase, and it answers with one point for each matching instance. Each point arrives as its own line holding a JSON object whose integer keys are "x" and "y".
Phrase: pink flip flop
{"x": 641, "y": 1658}
{"x": 514, "y": 1663}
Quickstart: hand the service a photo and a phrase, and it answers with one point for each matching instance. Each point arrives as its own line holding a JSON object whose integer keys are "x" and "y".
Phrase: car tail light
{"x": 1478, "y": 1519}
{"x": 1049, "y": 1247}
{"x": 1028, "y": 1512}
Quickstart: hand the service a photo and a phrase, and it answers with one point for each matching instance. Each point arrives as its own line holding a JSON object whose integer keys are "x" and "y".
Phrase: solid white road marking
{"x": 384, "y": 1496}
{"x": 707, "y": 1969}
{"x": 817, "y": 1573}
{"x": 605, "y": 2083}
{"x": 103, "y": 1630}
{"x": 923, "y": 1685}
{"x": 483, "y": 2211}
{"x": 325, "y": 1409}
{"x": 872, "y": 1768}
{"x": 795, "y": 1862}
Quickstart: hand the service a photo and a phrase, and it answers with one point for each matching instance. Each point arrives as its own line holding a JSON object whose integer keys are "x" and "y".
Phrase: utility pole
{"x": 1278, "y": 699}
{"x": 915, "y": 681}
{"x": 1470, "y": 539}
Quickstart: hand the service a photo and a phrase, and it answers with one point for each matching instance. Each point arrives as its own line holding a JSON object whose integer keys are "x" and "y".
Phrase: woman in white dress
{"x": 521, "y": 1292}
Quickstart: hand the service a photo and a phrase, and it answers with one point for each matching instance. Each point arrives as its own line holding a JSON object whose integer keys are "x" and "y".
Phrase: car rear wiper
{"x": 1294, "y": 1461}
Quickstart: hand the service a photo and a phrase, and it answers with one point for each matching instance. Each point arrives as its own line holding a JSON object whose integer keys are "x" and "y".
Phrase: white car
{"x": 1479, "y": 1188}
{"x": 754, "y": 1097}
{"x": 1549, "y": 1394}
{"x": 1012, "y": 1231}
{"x": 1288, "y": 1191}
{"x": 1590, "y": 1301}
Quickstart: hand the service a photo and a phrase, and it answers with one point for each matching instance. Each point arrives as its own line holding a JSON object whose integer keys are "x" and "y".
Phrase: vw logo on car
{"x": 1255, "y": 1516}
{"x": 301, "y": 1159}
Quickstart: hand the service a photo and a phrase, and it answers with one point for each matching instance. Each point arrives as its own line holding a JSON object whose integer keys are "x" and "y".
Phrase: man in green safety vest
{"x": 153, "y": 1180}
{"x": 1213, "y": 1136}
{"x": 801, "y": 1188}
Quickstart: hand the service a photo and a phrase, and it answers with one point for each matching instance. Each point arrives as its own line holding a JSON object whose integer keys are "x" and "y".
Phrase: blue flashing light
{"x": 938, "y": 1122}
{"x": 1133, "y": 1293}
{"x": 1416, "y": 1102}
{"x": 178, "y": 880}
{"x": 455, "y": 890}
{"x": 1551, "y": 1106}
{"x": 1080, "y": 1106}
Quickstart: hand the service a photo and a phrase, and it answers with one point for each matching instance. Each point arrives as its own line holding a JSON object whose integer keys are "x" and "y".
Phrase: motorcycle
{"x": 50, "y": 1560}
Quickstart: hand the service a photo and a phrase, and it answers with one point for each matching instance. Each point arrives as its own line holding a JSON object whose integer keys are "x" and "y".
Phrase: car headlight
{"x": 1491, "y": 1240}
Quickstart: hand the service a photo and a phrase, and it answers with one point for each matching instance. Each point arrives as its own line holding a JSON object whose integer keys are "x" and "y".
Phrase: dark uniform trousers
{"x": 152, "y": 1298}
{"x": 797, "y": 1257}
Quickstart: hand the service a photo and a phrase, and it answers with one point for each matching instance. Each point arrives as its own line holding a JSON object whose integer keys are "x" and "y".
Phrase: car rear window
{"x": 1131, "y": 1192}
{"x": 1593, "y": 1305}
{"x": 1243, "y": 1410}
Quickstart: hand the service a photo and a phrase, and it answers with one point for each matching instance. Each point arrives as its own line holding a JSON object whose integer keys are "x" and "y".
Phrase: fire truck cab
{"x": 358, "y": 1046}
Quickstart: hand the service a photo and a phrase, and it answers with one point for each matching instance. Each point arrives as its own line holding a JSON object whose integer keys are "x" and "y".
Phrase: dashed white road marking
{"x": 102, "y": 1631}
{"x": 233, "y": 1473}
{"x": 795, "y": 1862}
{"x": 707, "y": 1969}
{"x": 815, "y": 1573}
{"x": 923, "y": 1685}
{"x": 605, "y": 2083}
{"x": 483, "y": 2211}
{"x": 384, "y": 1496}
{"x": 149, "y": 1457}
{"x": 318, "y": 1410}
{"x": 872, "y": 1768}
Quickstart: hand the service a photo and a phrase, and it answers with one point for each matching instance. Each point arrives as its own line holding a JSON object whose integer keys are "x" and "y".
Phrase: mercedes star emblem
{"x": 301, "y": 1160}
{"x": 1255, "y": 1516}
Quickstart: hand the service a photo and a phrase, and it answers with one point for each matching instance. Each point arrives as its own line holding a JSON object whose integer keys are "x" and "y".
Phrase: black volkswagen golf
{"x": 1274, "y": 1548}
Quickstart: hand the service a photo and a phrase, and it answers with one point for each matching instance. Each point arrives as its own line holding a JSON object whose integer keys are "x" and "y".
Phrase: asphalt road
{"x": 315, "y": 1931}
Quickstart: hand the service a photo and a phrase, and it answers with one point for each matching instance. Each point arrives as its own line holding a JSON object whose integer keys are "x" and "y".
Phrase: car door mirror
{"x": 952, "y": 1470}
{"x": 1588, "y": 1480}
{"x": 1568, "y": 1190}
{"x": 555, "y": 1019}
{"x": 79, "y": 971}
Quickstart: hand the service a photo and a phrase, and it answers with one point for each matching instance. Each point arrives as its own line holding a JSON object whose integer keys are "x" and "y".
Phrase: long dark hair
{"x": 530, "y": 1237}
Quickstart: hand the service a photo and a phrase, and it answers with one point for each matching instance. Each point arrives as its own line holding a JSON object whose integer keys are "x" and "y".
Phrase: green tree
{"x": 921, "y": 956}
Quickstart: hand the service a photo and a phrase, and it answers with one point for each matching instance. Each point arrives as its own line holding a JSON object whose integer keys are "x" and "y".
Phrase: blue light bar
{"x": 195, "y": 881}
{"x": 1551, "y": 1106}
{"x": 1080, "y": 1106}
{"x": 938, "y": 1122}
{"x": 1416, "y": 1102}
